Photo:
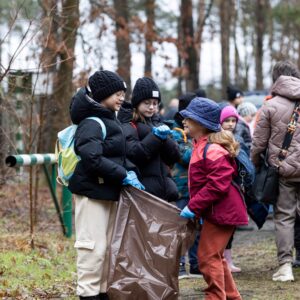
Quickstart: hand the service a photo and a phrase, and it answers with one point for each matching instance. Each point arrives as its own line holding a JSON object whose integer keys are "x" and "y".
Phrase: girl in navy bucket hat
{"x": 213, "y": 197}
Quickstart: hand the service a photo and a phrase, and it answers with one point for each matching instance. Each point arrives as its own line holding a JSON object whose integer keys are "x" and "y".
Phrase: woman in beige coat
{"x": 269, "y": 134}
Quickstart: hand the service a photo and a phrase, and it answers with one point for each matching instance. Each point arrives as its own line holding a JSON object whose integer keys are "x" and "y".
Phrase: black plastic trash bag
{"x": 148, "y": 239}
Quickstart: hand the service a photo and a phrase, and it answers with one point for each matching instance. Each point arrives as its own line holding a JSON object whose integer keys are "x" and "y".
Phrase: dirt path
{"x": 255, "y": 252}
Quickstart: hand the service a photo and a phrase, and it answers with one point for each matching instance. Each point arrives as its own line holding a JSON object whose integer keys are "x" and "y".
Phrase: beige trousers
{"x": 285, "y": 210}
{"x": 94, "y": 221}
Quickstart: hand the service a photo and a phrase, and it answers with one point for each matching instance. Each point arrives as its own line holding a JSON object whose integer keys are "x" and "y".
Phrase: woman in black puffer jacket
{"x": 147, "y": 143}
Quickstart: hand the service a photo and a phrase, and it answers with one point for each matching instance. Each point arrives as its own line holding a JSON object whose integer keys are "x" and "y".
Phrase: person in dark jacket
{"x": 242, "y": 130}
{"x": 228, "y": 120}
{"x": 235, "y": 98}
{"x": 234, "y": 95}
{"x": 148, "y": 145}
{"x": 180, "y": 176}
{"x": 98, "y": 178}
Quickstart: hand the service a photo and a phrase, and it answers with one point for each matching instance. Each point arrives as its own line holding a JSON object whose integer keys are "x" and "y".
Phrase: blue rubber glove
{"x": 131, "y": 179}
{"x": 162, "y": 131}
{"x": 187, "y": 213}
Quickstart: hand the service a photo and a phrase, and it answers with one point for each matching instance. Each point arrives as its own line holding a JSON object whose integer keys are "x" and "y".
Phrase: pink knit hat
{"x": 227, "y": 112}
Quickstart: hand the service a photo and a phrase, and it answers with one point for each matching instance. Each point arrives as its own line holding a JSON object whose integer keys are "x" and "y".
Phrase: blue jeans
{"x": 193, "y": 250}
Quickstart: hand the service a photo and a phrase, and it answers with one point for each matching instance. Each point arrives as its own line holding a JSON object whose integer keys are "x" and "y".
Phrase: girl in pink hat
{"x": 228, "y": 120}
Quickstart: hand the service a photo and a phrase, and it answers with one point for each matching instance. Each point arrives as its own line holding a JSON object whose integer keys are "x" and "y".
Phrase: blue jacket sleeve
{"x": 185, "y": 147}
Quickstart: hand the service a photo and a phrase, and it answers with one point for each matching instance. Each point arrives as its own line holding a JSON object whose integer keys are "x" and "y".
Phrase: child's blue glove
{"x": 131, "y": 179}
{"x": 187, "y": 213}
{"x": 162, "y": 131}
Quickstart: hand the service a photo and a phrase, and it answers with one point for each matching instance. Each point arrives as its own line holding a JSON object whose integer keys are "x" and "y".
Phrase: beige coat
{"x": 272, "y": 126}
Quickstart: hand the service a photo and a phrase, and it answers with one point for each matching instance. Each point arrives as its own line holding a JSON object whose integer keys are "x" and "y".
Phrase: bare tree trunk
{"x": 188, "y": 42}
{"x": 48, "y": 60}
{"x": 123, "y": 41}
{"x": 58, "y": 59}
{"x": 237, "y": 63}
{"x": 225, "y": 18}
{"x": 260, "y": 23}
{"x": 149, "y": 36}
{"x": 64, "y": 84}
{"x": 179, "y": 60}
{"x": 203, "y": 15}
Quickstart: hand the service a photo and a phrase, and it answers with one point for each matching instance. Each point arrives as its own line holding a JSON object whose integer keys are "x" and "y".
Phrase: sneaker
{"x": 228, "y": 257}
{"x": 284, "y": 273}
{"x": 182, "y": 272}
{"x": 195, "y": 273}
{"x": 296, "y": 262}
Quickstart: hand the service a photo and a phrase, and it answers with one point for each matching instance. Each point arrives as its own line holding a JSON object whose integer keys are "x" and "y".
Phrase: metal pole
{"x": 67, "y": 210}
{"x": 54, "y": 199}
{"x": 65, "y": 218}
{"x": 53, "y": 178}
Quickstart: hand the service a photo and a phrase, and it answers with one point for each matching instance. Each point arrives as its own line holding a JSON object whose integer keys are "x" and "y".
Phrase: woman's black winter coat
{"x": 153, "y": 156}
{"x": 102, "y": 168}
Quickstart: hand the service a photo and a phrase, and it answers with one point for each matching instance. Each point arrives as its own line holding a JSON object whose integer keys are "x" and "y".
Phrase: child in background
{"x": 248, "y": 111}
{"x": 180, "y": 176}
{"x": 228, "y": 120}
{"x": 213, "y": 196}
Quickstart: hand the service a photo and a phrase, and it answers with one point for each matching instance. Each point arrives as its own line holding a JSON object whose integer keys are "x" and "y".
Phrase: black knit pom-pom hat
{"x": 105, "y": 83}
{"x": 145, "y": 88}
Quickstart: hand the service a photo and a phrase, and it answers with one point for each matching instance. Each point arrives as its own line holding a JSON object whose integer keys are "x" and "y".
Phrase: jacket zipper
{"x": 124, "y": 156}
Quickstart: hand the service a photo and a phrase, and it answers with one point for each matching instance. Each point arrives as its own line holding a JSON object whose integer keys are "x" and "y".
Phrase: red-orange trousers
{"x": 212, "y": 263}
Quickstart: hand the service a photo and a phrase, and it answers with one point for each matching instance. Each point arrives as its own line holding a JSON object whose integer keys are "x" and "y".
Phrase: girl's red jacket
{"x": 213, "y": 195}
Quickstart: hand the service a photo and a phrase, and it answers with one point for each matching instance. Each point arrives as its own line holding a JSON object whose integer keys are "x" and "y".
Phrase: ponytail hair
{"x": 225, "y": 139}
{"x": 137, "y": 116}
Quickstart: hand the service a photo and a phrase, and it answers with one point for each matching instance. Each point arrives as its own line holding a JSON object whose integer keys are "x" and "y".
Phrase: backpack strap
{"x": 205, "y": 150}
{"x": 101, "y": 123}
{"x": 292, "y": 126}
{"x": 133, "y": 124}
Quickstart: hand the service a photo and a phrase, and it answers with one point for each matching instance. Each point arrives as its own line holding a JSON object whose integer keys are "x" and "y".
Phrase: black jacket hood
{"x": 125, "y": 114}
{"x": 82, "y": 106}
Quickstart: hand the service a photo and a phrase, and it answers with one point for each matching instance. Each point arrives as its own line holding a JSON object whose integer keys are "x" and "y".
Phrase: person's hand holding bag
{"x": 131, "y": 179}
{"x": 187, "y": 213}
{"x": 161, "y": 131}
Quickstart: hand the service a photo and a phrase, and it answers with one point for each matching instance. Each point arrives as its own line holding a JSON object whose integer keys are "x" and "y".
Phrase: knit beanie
{"x": 145, "y": 88}
{"x": 185, "y": 99}
{"x": 246, "y": 109}
{"x": 200, "y": 93}
{"x": 233, "y": 92}
{"x": 104, "y": 84}
{"x": 227, "y": 112}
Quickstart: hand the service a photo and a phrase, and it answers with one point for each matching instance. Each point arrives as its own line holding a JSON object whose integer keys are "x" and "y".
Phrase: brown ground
{"x": 254, "y": 251}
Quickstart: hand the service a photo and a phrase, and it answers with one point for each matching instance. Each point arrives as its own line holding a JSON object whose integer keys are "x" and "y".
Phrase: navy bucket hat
{"x": 204, "y": 111}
